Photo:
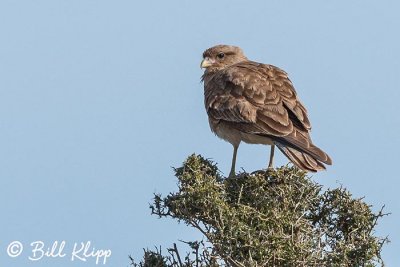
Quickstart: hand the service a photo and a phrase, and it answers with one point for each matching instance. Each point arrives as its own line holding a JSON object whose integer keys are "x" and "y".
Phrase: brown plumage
{"x": 256, "y": 103}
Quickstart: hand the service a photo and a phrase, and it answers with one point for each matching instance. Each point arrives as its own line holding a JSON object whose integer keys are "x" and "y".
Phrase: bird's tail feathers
{"x": 300, "y": 159}
{"x": 301, "y": 141}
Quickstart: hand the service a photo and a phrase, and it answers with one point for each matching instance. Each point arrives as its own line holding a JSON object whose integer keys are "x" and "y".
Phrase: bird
{"x": 256, "y": 103}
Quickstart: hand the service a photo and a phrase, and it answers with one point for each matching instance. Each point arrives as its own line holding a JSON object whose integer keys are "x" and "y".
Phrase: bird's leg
{"x": 271, "y": 157}
{"x": 232, "y": 173}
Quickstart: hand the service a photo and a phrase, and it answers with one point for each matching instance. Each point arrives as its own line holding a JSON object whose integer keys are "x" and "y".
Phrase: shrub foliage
{"x": 278, "y": 217}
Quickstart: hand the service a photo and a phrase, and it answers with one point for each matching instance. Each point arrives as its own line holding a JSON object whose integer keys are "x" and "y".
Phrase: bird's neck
{"x": 208, "y": 75}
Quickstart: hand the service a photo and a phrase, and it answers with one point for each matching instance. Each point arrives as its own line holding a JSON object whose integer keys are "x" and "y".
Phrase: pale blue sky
{"x": 98, "y": 99}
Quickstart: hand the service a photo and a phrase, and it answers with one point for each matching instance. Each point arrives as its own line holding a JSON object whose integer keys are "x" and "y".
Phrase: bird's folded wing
{"x": 258, "y": 97}
{"x": 282, "y": 86}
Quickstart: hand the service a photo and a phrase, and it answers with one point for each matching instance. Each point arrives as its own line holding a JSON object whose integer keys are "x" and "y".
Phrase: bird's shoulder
{"x": 266, "y": 87}
{"x": 259, "y": 83}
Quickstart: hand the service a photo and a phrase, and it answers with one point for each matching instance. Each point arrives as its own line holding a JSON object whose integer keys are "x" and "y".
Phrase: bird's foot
{"x": 259, "y": 172}
{"x": 263, "y": 172}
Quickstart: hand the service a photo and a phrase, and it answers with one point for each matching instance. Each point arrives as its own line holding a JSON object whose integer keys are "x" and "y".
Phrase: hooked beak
{"x": 205, "y": 63}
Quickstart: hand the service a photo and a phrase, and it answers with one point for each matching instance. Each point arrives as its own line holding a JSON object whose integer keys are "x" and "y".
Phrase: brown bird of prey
{"x": 256, "y": 103}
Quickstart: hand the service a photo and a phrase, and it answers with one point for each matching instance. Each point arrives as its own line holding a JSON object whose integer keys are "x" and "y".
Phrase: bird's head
{"x": 221, "y": 56}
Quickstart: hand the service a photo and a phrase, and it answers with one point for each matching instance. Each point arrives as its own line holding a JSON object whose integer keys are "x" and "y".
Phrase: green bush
{"x": 278, "y": 217}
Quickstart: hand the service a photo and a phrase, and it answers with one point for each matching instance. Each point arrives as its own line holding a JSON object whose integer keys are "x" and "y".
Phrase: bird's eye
{"x": 221, "y": 55}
